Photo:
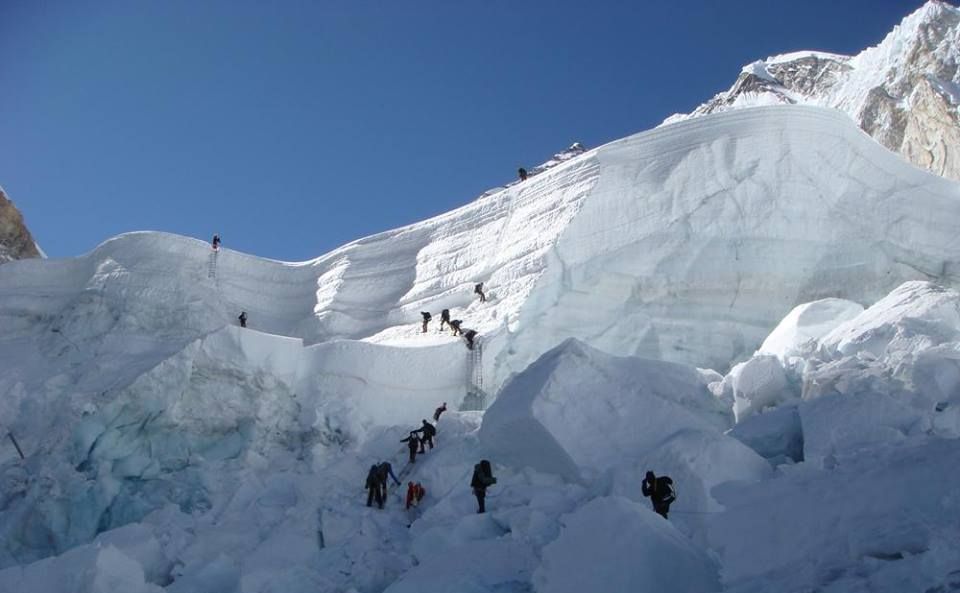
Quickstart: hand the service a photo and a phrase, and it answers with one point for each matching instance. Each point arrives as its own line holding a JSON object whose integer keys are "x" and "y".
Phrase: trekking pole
{"x": 15, "y": 444}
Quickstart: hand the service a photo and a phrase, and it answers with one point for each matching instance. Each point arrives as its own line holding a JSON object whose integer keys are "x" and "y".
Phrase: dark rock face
{"x": 15, "y": 240}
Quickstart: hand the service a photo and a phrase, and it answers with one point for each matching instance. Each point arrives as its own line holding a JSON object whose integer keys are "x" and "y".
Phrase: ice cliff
{"x": 687, "y": 243}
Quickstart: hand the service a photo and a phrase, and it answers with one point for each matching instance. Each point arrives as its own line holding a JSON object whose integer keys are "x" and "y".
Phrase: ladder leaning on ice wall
{"x": 212, "y": 264}
{"x": 476, "y": 397}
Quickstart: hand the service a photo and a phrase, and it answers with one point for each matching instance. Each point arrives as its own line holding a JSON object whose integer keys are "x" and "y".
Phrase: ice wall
{"x": 686, "y": 243}
{"x": 698, "y": 239}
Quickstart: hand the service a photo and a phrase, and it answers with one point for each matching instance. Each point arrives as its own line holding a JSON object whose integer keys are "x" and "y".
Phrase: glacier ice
{"x": 577, "y": 412}
{"x": 620, "y": 533}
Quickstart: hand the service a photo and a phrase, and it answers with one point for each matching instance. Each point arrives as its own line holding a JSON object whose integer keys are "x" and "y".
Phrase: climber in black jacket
{"x": 482, "y": 479}
{"x": 660, "y": 491}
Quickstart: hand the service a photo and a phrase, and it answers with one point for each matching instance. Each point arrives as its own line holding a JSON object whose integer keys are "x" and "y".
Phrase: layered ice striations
{"x": 687, "y": 243}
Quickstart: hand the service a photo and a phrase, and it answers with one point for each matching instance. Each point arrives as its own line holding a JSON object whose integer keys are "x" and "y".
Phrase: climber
{"x": 444, "y": 318}
{"x": 373, "y": 487}
{"x": 522, "y": 173}
{"x": 426, "y": 320}
{"x": 438, "y": 411}
{"x": 469, "y": 336}
{"x": 385, "y": 470}
{"x": 429, "y": 431}
{"x": 478, "y": 289}
{"x": 660, "y": 491}
{"x": 455, "y": 324}
{"x": 243, "y": 319}
{"x": 482, "y": 479}
{"x": 413, "y": 443}
{"x": 415, "y": 493}
{"x": 216, "y": 242}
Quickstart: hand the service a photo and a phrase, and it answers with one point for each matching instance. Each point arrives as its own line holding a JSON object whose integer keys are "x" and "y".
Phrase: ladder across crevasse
{"x": 476, "y": 397}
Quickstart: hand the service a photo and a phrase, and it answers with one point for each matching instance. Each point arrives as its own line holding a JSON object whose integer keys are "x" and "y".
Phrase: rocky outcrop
{"x": 15, "y": 240}
{"x": 905, "y": 92}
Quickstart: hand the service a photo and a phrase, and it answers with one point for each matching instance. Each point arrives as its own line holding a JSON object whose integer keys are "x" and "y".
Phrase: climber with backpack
{"x": 482, "y": 479}
{"x": 660, "y": 492}
{"x": 374, "y": 492}
{"x": 384, "y": 471}
{"x": 216, "y": 242}
{"x": 415, "y": 493}
{"x": 522, "y": 173}
{"x": 469, "y": 336}
{"x": 426, "y": 319}
{"x": 438, "y": 411}
{"x": 413, "y": 444}
{"x": 455, "y": 324}
{"x": 428, "y": 431}
{"x": 444, "y": 318}
{"x": 243, "y": 318}
{"x": 478, "y": 289}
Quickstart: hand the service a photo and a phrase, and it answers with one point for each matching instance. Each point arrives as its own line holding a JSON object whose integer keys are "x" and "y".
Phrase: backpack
{"x": 373, "y": 479}
{"x": 478, "y": 480}
{"x": 426, "y": 316}
{"x": 486, "y": 474}
{"x": 671, "y": 494}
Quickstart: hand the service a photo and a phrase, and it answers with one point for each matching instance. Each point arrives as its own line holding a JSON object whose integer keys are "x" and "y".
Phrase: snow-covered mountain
{"x": 905, "y": 92}
{"x": 15, "y": 239}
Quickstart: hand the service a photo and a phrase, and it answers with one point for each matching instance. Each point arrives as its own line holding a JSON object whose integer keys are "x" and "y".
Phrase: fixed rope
{"x": 16, "y": 444}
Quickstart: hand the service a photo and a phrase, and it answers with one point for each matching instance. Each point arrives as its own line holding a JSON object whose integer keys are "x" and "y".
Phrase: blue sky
{"x": 294, "y": 127}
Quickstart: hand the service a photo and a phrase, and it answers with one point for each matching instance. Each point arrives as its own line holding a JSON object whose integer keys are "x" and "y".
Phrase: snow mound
{"x": 806, "y": 324}
{"x": 487, "y": 565}
{"x": 892, "y": 373}
{"x": 888, "y": 374}
{"x": 775, "y": 434}
{"x": 126, "y": 559}
{"x": 613, "y": 544}
{"x": 839, "y": 425}
{"x": 578, "y": 412}
{"x": 757, "y": 383}
{"x": 914, "y": 317}
{"x": 884, "y": 520}
{"x": 698, "y": 462}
